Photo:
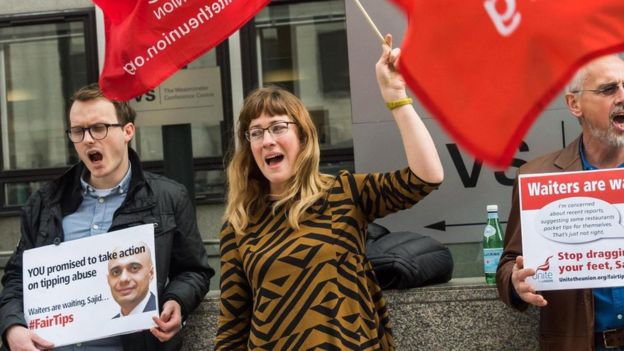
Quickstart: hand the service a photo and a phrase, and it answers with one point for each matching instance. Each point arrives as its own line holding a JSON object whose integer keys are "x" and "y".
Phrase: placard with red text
{"x": 91, "y": 288}
{"x": 571, "y": 228}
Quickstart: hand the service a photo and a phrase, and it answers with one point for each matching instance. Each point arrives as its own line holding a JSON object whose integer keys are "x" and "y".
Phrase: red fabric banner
{"x": 149, "y": 40}
{"x": 486, "y": 69}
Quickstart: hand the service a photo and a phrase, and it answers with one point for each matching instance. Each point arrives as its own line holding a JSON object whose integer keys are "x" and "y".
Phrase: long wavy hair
{"x": 248, "y": 189}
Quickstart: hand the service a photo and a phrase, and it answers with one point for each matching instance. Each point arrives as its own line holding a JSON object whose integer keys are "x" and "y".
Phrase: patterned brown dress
{"x": 312, "y": 288}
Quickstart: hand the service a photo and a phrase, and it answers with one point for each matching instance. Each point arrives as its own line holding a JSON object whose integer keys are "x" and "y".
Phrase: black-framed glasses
{"x": 97, "y": 131}
{"x": 275, "y": 129}
{"x": 608, "y": 89}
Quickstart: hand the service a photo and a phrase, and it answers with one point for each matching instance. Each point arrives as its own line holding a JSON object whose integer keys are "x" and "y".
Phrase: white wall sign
{"x": 190, "y": 95}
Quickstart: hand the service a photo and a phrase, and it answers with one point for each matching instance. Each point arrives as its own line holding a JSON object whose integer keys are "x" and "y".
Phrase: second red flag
{"x": 486, "y": 69}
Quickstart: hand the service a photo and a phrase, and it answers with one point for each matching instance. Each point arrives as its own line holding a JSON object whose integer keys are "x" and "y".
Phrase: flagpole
{"x": 370, "y": 21}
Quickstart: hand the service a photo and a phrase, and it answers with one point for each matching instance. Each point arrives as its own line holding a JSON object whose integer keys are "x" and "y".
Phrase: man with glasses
{"x": 582, "y": 319}
{"x": 105, "y": 191}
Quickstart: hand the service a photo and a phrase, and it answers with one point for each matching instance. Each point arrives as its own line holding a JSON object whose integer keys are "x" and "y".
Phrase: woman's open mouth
{"x": 274, "y": 160}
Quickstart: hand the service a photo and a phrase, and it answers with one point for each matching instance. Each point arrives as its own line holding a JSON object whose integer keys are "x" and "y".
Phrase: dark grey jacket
{"x": 181, "y": 260}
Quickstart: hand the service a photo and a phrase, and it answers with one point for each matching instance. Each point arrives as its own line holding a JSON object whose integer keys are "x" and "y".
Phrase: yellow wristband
{"x": 398, "y": 103}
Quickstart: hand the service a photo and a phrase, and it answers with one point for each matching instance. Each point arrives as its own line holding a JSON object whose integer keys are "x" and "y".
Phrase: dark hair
{"x": 125, "y": 113}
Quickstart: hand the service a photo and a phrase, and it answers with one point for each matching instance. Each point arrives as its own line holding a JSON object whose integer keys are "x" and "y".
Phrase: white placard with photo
{"x": 91, "y": 288}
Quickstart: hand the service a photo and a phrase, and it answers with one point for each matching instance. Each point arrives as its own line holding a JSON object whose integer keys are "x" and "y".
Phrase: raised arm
{"x": 422, "y": 156}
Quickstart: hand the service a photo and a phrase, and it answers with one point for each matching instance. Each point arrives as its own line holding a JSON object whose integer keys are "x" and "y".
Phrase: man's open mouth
{"x": 95, "y": 156}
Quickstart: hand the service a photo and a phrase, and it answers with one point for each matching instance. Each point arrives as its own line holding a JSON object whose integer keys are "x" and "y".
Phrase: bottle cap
{"x": 492, "y": 208}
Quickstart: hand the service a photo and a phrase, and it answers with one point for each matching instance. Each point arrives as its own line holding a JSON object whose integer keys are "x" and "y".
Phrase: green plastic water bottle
{"x": 492, "y": 244}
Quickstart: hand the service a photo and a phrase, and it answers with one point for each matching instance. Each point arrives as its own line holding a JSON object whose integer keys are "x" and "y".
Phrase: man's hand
{"x": 22, "y": 339}
{"x": 524, "y": 289}
{"x": 169, "y": 323}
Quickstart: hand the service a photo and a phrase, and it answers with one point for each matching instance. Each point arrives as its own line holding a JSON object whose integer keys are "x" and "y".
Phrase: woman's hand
{"x": 391, "y": 83}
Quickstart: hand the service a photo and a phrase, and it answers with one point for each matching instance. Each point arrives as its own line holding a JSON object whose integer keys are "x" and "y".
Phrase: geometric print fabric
{"x": 312, "y": 288}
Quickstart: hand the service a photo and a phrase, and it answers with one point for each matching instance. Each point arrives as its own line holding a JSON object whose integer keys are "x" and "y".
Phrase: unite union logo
{"x": 541, "y": 272}
{"x": 544, "y": 266}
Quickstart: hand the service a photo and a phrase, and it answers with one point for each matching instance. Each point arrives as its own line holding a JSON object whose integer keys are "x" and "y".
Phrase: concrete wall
{"x": 461, "y": 315}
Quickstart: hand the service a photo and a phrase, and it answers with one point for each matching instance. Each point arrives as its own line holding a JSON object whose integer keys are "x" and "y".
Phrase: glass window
{"x": 16, "y": 194}
{"x": 40, "y": 67}
{"x": 43, "y": 60}
{"x": 302, "y": 46}
{"x": 210, "y": 185}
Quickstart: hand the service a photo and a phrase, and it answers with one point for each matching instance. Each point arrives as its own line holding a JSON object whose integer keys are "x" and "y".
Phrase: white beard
{"x": 610, "y": 136}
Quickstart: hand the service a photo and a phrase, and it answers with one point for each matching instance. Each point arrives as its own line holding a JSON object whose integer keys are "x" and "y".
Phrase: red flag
{"x": 149, "y": 40}
{"x": 486, "y": 69}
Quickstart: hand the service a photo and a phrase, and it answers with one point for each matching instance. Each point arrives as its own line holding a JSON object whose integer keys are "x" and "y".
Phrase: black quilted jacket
{"x": 181, "y": 260}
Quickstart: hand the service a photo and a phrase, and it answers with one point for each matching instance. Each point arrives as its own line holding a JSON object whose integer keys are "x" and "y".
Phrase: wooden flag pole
{"x": 370, "y": 21}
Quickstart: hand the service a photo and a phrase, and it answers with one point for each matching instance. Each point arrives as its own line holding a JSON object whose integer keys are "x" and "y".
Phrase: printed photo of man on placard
{"x": 129, "y": 276}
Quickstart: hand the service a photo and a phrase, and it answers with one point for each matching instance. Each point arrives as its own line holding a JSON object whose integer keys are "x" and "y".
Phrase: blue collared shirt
{"x": 608, "y": 302}
{"x": 94, "y": 216}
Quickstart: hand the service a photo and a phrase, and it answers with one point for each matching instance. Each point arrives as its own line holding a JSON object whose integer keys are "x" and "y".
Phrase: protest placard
{"x": 571, "y": 228}
{"x": 91, "y": 288}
